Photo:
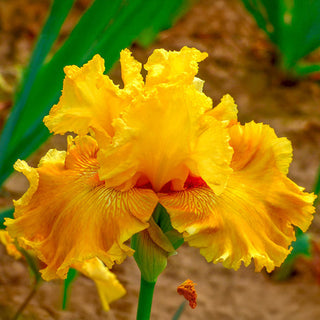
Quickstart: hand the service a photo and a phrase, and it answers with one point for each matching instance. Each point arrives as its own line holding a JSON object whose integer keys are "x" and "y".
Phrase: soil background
{"x": 242, "y": 63}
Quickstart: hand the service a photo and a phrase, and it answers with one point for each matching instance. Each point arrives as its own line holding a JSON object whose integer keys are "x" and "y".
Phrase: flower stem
{"x": 145, "y": 299}
{"x": 26, "y": 301}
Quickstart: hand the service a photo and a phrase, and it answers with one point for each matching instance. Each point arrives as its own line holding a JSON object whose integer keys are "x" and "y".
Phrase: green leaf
{"x": 72, "y": 274}
{"x": 165, "y": 17}
{"x": 6, "y": 213}
{"x": 301, "y": 247}
{"x": 58, "y": 13}
{"x": 292, "y": 25}
{"x": 305, "y": 69}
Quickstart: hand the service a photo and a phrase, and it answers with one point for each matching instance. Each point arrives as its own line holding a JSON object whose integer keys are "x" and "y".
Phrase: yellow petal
{"x": 8, "y": 242}
{"x": 130, "y": 71}
{"x": 89, "y": 100}
{"x": 68, "y": 215}
{"x": 212, "y": 155}
{"x": 159, "y": 133}
{"x": 108, "y": 286}
{"x": 256, "y": 146}
{"x": 226, "y": 110}
{"x": 163, "y": 137}
{"x": 173, "y": 66}
{"x": 165, "y": 134}
{"x": 255, "y": 215}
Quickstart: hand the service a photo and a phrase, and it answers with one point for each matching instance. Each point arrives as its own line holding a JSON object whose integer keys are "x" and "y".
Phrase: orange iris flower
{"x": 223, "y": 184}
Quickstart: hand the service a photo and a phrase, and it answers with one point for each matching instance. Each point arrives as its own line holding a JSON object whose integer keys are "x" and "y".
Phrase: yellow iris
{"x": 223, "y": 184}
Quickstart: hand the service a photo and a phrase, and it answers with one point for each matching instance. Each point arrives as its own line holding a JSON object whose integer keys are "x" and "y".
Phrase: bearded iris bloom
{"x": 223, "y": 184}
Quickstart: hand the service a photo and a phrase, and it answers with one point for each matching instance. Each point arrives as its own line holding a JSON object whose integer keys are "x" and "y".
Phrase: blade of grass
{"x": 317, "y": 187}
{"x": 264, "y": 15}
{"x": 305, "y": 69}
{"x": 72, "y": 274}
{"x": 305, "y": 29}
{"x": 58, "y": 13}
{"x": 131, "y": 25}
{"x": 169, "y": 12}
{"x": 49, "y": 79}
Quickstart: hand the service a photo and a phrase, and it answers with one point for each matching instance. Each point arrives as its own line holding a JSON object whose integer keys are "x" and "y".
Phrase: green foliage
{"x": 106, "y": 27}
{"x": 293, "y": 26}
{"x": 72, "y": 274}
{"x": 5, "y": 213}
{"x": 179, "y": 311}
{"x": 317, "y": 187}
{"x": 300, "y": 248}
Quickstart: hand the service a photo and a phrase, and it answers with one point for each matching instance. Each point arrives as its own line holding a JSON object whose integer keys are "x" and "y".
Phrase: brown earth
{"x": 241, "y": 62}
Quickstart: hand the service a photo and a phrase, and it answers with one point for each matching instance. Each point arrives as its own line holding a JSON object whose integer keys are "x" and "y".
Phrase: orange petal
{"x": 68, "y": 215}
{"x": 255, "y": 215}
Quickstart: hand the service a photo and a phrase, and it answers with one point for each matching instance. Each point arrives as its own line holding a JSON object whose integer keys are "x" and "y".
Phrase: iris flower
{"x": 158, "y": 140}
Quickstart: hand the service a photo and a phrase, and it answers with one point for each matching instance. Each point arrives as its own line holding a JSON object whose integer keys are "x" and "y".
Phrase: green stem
{"x": 145, "y": 299}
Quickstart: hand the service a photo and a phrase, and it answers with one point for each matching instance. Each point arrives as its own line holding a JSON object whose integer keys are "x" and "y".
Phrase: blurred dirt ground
{"x": 241, "y": 62}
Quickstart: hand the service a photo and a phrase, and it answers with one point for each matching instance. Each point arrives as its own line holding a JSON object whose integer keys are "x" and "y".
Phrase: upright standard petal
{"x": 165, "y": 67}
{"x": 255, "y": 215}
{"x": 68, "y": 215}
{"x": 89, "y": 101}
{"x": 165, "y": 134}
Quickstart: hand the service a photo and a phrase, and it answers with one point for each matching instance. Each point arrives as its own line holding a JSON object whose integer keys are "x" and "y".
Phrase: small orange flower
{"x": 224, "y": 184}
{"x": 187, "y": 290}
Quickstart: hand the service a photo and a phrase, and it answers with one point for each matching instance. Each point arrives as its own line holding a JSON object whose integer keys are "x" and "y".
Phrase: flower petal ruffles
{"x": 68, "y": 215}
{"x": 255, "y": 215}
{"x": 224, "y": 185}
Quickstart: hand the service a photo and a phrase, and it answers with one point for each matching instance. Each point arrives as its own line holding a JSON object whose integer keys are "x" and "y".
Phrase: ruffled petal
{"x": 163, "y": 137}
{"x": 108, "y": 286}
{"x": 255, "y": 215}
{"x": 68, "y": 215}
{"x": 89, "y": 101}
{"x": 131, "y": 72}
{"x": 173, "y": 66}
{"x": 226, "y": 110}
{"x": 212, "y": 154}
